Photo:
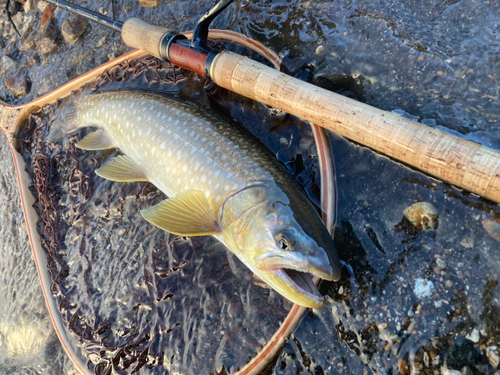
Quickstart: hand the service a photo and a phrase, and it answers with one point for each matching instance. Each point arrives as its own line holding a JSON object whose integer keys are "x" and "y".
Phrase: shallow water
{"x": 436, "y": 61}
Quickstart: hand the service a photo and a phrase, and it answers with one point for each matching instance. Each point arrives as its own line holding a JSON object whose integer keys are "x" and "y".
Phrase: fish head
{"x": 271, "y": 242}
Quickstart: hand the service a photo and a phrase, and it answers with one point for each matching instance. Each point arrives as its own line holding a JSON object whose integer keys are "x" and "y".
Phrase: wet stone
{"x": 150, "y": 3}
{"x": 422, "y": 215}
{"x": 6, "y": 63}
{"x": 492, "y": 227}
{"x": 18, "y": 85}
{"x": 73, "y": 28}
{"x": 47, "y": 46}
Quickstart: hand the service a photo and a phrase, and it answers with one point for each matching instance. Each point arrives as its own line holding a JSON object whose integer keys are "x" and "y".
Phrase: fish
{"x": 219, "y": 179}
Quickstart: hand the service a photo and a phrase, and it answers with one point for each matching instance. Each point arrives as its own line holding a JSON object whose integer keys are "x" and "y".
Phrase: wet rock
{"x": 46, "y": 19}
{"x": 493, "y": 355}
{"x": 423, "y": 288}
{"x": 78, "y": 59}
{"x": 42, "y": 5}
{"x": 6, "y": 63}
{"x": 473, "y": 336}
{"x": 47, "y": 46}
{"x": 29, "y": 43}
{"x": 492, "y": 227}
{"x": 422, "y": 215}
{"x": 73, "y": 28}
{"x": 150, "y": 3}
{"x": 18, "y": 85}
{"x": 320, "y": 51}
{"x": 29, "y": 5}
{"x": 101, "y": 42}
{"x": 441, "y": 263}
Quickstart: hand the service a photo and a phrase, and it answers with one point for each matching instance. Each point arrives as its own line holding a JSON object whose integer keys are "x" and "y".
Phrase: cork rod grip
{"x": 141, "y": 35}
{"x": 460, "y": 162}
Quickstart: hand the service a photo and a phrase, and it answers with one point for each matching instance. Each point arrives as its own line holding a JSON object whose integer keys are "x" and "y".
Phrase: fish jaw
{"x": 257, "y": 235}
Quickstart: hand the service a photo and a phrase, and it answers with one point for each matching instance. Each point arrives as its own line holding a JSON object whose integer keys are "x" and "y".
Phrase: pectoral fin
{"x": 98, "y": 140}
{"x": 123, "y": 169}
{"x": 187, "y": 214}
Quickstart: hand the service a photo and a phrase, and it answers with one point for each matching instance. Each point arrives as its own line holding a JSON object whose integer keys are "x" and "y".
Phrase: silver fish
{"x": 221, "y": 181}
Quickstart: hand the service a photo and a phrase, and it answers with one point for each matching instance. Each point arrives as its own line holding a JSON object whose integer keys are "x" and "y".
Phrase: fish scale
{"x": 196, "y": 150}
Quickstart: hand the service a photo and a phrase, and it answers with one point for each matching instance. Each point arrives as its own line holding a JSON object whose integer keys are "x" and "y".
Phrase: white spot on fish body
{"x": 160, "y": 130}
{"x": 169, "y": 118}
{"x": 217, "y": 173}
{"x": 162, "y": 146}
{"x": 184, "y": 168}
{"x": 140, "y": 132}
{"x": 176, "y": 122}
{"x": 143, "y": 109}
{"x": 196, "y": 166}
{"x": 179, "y": 154}
{"x": 193, "y": 150}
{"x": 176, "y": 136}
{"x": 169, "y": 152}
{"x": 191, "y": 134}
{"x": 217, "y": 186}
{"x": 158, "y": 114}
{"x": 203, "y": 178}
{"x": 149, "y": 118}
{"x": 184, "y": 131}
{"x": 149, "y": 130}
{"x": 151, "y": 108}
{"x": 204, "y": 139}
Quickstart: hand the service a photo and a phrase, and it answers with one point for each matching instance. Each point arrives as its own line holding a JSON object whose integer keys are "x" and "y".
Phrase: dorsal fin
{"x": 190, "y": 213}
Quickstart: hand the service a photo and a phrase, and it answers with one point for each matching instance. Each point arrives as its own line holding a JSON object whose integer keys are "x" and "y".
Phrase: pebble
{"x": 473, "y": 336}
{"x": 73, "y": 28}
{"x": 6, "y": 63}
{"x": 423, "y": 288}
{"x": 47, "y": 46}
{"x": 18, "y": 85}
{"x": 320, "y": 51}
{"x": 492, "y": 227}
{"x": 29, "y": 5}
{"x": 101, "y": 42}
{"x": 422, "y": 215}
{"x": 150, "y": 3}
{"x": 449, "y": 283}
{"x": 468, "y": 243}
{"x": 42, "y": 5}
{"x": 493, "y": 357}
{"x": 441, "y": 263}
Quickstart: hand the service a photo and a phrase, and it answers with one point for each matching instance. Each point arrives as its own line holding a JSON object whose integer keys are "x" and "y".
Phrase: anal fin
{"x": 122, "y": 169}
{"x": 98, "y": 140}
{"x": 190, "y": 213}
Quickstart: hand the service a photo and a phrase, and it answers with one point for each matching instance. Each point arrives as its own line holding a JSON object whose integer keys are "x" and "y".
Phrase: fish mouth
{"x": 296, "y": 279}
{"x": 302, "y": 281}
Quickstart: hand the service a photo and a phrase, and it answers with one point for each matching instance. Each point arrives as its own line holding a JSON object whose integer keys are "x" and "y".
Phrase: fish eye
{"x": 283, "y": 243}
{"x": 286, "y": 240}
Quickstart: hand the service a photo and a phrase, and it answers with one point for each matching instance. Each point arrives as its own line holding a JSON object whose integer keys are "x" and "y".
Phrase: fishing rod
{"x": 465, "y": 164}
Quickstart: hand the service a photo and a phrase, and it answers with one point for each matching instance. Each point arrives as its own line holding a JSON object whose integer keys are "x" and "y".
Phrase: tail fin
{"x": 66, "y": 120}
